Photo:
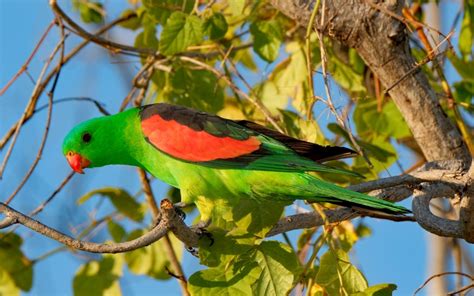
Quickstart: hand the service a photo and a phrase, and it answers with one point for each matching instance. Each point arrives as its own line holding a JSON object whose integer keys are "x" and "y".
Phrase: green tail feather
{"x": 331, "y": 193}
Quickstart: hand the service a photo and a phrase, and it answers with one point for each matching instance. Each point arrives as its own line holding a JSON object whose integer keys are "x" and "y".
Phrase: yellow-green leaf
{"x": 181, "y": 30}
{"x": 279, "y": 266}
{"x": 267, "y": 37}
{"x": 99, "y": 277}
{"x": 152, "y": 260}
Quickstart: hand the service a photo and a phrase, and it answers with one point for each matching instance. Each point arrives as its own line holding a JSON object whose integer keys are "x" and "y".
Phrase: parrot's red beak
{"x": 77, "y": 162}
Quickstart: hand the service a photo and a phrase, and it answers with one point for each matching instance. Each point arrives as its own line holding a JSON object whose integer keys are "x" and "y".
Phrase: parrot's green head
{"x": 88, "y": 144}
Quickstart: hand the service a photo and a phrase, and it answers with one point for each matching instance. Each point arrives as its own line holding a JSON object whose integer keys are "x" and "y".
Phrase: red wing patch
{"x": 187, "y": 144}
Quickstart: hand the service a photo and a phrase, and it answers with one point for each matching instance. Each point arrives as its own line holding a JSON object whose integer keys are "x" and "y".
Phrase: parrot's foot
{"x": 201, "y": 230}
{"x": 193, "y": 251}
{"x": 178, "y": 208}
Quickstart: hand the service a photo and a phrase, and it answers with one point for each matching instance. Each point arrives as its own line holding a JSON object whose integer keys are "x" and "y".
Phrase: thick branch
{"x": 169, "y": 217}
{"x": 377, "y": 32}
{"x": 447, "y": 174}
{"x": 430, "y": 222}
{"x": 379, "y": 37}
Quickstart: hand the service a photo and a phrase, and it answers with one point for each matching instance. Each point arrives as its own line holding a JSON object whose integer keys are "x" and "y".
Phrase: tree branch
{"x": 169, "y": 217}
{"x": 450, "y": 180}
{"x": 378, "y": 33}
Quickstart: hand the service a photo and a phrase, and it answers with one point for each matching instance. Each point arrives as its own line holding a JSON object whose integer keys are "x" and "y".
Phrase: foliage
{"x": 251, "y": 37}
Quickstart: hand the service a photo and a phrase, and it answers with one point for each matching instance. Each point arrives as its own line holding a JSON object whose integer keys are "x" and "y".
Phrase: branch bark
{"x": 379, "y": 37}
{"x": 447, "y": 175}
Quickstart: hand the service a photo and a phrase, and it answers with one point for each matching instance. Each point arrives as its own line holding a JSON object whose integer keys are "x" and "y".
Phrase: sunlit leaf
{"x": 388, "y": 122}
{"x": 134, "y": 23}
{"x": 235, "y": 280}
{"x": 267, "y": 37}
{"x": 153, "y": 259}
{"x": 466, "y": 35}
{"x": 147, "y": 38}
{"x": 161, "y": 10}
{"x": 181, "y": 30}
{"x": 7, "y": 285}
{"x": 99, "y": 277}
{"x": 279, "y": 266}
{"x": 90, "y": 11}
{"x": 334, "y": 268}
{"x": 224, "y": 247}
{"x": 215, "y": 26}
{"x": 198, "y": 89}
{"x": 14, "y": 265}
{"x": 378, "y": 290}
{"x": 117, "y": 232}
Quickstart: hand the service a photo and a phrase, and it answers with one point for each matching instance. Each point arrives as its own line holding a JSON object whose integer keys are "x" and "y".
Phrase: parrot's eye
{"x": 86, "y": 137}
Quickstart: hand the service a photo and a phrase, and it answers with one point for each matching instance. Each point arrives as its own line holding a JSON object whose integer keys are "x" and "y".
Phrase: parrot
{"x": 215, "y": 161}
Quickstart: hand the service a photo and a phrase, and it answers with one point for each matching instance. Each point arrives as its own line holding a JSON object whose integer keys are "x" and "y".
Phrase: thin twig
{"x": 460, "y": 290}
{"x": 235, "y": 88}
{"x": 51, "y": 74}
{"x": 329, "y": 101}
{"x": 48, "y": 120}
{"x": 167, "y": 242}
{"x": 117, "y": 47}
{"x": 24, "y": 67}
{"x": 51, "y": 197}
{"x": 442, "y": 274}
{"x": 309, "y": 67}
{"x": 255, "y": 101}
{"x": 32, "y": 102}
{"x": 169, "y": 217}
{"x": 100, "y": 106}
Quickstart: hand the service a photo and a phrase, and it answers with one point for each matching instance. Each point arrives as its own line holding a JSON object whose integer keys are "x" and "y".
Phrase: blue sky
{"x": 395, "y": 253}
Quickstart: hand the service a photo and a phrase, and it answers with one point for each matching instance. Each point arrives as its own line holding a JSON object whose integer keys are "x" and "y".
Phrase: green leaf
{"x": 466, "y": 35}
{"x": 279, "y": 269}
{"x": 236, "y": 7}
{"x": 121, "y": 200}
{"x": 345, "y": 75}
{"x": 152, "y": 260}
{"x": 464, "y": 91}
{"x": 267, "y": 36}
{"x": 268, "y": 93}
{"x": 381, "y": 153}
{"x": 90, "y": 11}
{"x": 133, "y": 23}
{"x": 225, "y": 247}
{"x": 99, "y": 277}
{"x": 160, "y": 10}
{"x": 14, "y": 265}
{"x": 198, "y": 89}
{"x": 389, "y": 122}
{"x": 462, "y": 67}
{"x": 180, "y": 31}
{"x": 216, "y": 26}
{"x": 334, "y": 268}
{"x": 363, "y": 230}
{"x": 290, "y": 76}
{"x": 357, "y": 63}
{"x": 257, "y": 216}
{"x": 7, "y": 285}
{"x": 147, "y": 38}
{"x": 378, "y": 290}
{"x": 117, "y": 232}
{"x": 235, "y": 280}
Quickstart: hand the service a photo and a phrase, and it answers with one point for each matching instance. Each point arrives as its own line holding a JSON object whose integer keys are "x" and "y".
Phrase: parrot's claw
{"x": 201, "y": 230}
{"x": 178, "y": 209}
{"x": 193, "y": 251}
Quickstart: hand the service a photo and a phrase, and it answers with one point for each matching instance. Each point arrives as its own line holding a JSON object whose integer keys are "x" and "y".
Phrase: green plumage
{"x": 280, "y": 174}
